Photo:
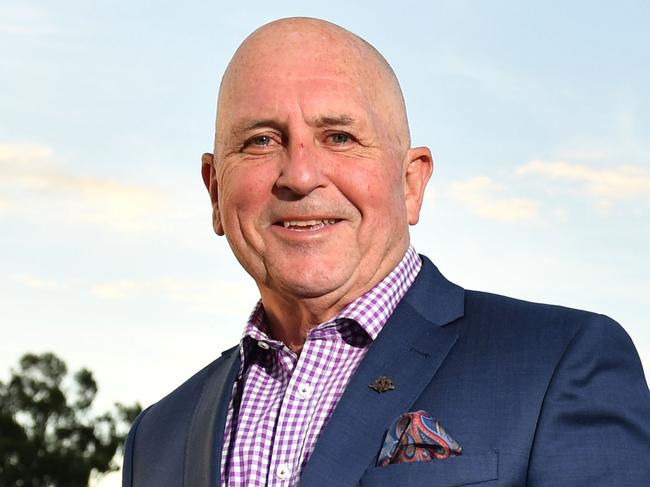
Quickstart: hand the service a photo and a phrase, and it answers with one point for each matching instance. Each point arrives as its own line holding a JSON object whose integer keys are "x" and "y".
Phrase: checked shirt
{"x": 281, "y": 402}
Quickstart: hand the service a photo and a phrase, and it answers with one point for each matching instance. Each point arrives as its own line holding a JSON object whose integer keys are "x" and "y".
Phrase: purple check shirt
{"x": 281, "y": 402}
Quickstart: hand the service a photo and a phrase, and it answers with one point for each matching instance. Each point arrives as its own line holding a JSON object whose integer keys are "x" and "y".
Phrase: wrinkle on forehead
{"x": 311, "y": 48}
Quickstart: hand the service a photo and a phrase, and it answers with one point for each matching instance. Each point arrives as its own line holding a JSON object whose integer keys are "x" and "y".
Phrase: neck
{"x": 290, "y": 320}
{"x": 290, "y": 317}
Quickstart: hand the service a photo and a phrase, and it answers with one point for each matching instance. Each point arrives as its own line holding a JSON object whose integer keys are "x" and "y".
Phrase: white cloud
{"x": 609, "y": 183}
{"x": 36, "y": 282}
{"x": 482, "y": 196}
{"x": 33, "y": 180}
{"x": 117, "y": 289}
{"x": 24, "y": 19}
{"x": 200, "y": 296}
{"x": 17, "y": 158}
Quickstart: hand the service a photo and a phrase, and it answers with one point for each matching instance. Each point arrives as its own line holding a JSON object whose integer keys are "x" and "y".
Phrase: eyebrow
{"x": 255, "y": 124}
{"x": 319, "y": 122}
{"x": 343, "y": 119}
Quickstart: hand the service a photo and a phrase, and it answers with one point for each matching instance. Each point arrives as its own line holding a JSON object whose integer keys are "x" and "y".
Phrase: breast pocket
{"x": 451, "y": 472}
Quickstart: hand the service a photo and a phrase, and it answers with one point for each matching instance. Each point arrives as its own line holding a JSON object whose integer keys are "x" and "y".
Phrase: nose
{"x": 300, "y": 170}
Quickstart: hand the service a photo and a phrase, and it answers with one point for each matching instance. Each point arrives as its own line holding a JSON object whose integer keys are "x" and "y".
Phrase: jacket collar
{"x": 205, "y": 438}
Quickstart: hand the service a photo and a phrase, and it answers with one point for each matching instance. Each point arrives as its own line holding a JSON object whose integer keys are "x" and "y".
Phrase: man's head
{"x": 312, "y": 179}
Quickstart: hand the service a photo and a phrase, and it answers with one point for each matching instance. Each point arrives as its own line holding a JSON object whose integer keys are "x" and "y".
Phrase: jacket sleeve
{"x": 127, "y": 467}
{"x": 594, "y": 426}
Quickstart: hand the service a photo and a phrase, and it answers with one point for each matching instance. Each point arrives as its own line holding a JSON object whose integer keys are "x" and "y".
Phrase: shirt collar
{"x": 370, "y": 310}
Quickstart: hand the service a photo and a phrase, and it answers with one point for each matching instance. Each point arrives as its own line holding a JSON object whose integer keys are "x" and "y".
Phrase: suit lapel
{"x": 205, "y": 437}
{"x": 409, "y": 350}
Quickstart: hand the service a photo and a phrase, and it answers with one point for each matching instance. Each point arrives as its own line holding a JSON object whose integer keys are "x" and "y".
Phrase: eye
{"x": 260, "y": 141}
{"x": 260, "y": 144}
{"x": 339, "y": 138}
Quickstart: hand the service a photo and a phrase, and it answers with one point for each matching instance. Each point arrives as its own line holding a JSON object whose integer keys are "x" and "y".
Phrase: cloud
{"x": 24, "y": 19}
{"x": 36, "y": 282}
{"x": 12, "y": 155}
{"x": 481, "y": 196}
{"x": 484, "y": 196}
{"x": 119, "y": 289}
{"x": 612, "y": 183}
{"x": 200, "y": 296}
{"x": 37, "y": 184}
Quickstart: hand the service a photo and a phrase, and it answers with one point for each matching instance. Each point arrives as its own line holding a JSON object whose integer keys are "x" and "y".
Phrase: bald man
{"x": 361, "y": 364}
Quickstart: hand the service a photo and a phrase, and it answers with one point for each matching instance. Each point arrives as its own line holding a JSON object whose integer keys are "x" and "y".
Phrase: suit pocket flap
{"x": 451, "y": 472}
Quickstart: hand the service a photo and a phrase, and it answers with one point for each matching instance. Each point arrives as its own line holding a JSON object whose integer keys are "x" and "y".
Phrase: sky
{"x": 537, "y": 114}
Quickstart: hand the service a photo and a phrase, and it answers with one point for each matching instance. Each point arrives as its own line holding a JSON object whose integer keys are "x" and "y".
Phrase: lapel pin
{"x": 382, "y": 384}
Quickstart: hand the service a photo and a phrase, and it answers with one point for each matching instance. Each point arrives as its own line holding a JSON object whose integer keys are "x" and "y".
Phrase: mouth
{"x": 307, "y": 225}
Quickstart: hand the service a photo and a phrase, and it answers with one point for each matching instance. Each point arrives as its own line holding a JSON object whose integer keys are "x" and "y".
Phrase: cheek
{"x": 245, "y": 190}
{"x": 376, "y": 194}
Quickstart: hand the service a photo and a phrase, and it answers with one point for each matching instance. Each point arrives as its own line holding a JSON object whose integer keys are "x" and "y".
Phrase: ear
{"x": 417, "y": 171}
{"x": 209, "y": 174}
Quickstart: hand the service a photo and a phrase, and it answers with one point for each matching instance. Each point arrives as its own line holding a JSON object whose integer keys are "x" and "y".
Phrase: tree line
{"x": 49, "y": 434}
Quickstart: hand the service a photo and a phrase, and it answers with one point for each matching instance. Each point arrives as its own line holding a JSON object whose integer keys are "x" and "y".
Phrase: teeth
{"x": 307, "y": 223}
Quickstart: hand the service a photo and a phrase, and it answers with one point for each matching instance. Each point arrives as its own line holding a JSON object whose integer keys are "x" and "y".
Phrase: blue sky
{"x": 537, "y": 114}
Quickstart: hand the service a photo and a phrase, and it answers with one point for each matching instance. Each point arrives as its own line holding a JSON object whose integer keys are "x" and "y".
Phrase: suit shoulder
{"x": 527, "y": 325}
{"x": 508, "y": 309}
{"x": 542, "y": 341}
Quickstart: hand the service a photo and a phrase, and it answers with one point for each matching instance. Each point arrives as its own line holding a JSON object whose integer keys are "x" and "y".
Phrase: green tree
{"x": 48, "y": 435}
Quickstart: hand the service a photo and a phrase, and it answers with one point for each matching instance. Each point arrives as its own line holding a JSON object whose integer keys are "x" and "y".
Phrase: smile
{"x": 308, "y": 225}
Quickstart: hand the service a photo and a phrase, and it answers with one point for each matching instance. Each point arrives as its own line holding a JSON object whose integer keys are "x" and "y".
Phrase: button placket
{"x": 304, "y": 390}
{"x": 285, "y": 457}
{"x": 283, "y": 472}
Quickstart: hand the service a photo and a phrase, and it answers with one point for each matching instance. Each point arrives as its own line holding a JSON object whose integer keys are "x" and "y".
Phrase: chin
{"x": 313, "y": 283}
{"x": 305, "y": 290}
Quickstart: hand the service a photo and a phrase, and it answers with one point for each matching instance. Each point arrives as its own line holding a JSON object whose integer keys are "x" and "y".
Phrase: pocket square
{"x": 417, "y": 437}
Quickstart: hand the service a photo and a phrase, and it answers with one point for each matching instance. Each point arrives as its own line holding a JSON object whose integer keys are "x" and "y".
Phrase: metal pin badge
{"x": 382, "y": 384}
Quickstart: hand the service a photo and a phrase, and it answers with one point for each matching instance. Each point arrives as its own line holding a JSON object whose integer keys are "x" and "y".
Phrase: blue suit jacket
{"x": 537, "y": 395}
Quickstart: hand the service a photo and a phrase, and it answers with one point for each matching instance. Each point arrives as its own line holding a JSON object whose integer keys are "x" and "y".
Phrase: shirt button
{"x": 263, "y": 345}
{"x": 304, "y": 390}
{"x": 283, "y": 471}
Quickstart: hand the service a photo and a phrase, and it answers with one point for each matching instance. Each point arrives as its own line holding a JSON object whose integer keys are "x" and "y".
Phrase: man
{"x": 314, "y": 183}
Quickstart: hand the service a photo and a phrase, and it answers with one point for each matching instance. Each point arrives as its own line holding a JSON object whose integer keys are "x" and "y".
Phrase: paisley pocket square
{"x": 417, "y": 437}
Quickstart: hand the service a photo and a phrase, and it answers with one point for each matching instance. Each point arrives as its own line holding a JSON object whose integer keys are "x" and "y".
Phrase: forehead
{"x": 281, "y": 96}
{"x": 315, "y": 74}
